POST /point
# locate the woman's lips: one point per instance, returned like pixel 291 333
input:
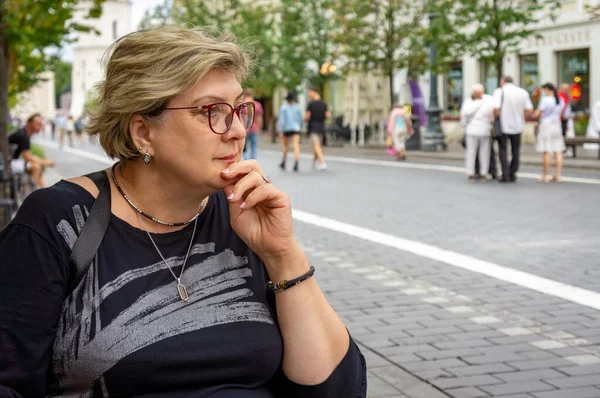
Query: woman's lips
pixel 228 159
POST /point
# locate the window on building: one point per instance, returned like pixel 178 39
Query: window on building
pixel 454 88
pixel 489 76
pixel 114 30
pixel 574 69
pixel 530 77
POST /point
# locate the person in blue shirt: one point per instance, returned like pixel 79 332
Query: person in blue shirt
pixel 290 123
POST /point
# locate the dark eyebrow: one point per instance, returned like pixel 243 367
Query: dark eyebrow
pixel 214 98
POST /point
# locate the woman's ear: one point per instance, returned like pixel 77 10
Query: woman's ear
pixel 139 128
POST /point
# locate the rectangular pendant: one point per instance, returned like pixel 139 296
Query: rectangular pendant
pixel 181 289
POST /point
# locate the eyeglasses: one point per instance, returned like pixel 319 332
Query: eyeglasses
pixel 220 115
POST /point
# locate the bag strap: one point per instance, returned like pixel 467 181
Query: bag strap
pixel 474 114
pixel 92 233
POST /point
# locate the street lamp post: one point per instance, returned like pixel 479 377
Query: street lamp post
pixel 433 136
pixel 328 69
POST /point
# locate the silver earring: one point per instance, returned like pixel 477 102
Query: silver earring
pixel 140 148
pixel 146 158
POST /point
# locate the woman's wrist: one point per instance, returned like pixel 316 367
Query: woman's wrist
pixel 287 266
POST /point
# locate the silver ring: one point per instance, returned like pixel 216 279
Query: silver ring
pixel 266 179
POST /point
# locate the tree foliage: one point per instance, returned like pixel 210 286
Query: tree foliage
pixel 251 23
pixel 501 26
pixel 384 35
pixel 31 28
pixel 310 35
pixel 28 28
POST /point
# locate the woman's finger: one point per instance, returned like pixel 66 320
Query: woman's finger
pixel 264 193
pixel 241 168
pixel 245 185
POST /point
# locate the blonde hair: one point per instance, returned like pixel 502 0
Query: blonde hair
pixel 146 69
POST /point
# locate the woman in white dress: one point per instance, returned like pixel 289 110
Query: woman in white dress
pixel 549 138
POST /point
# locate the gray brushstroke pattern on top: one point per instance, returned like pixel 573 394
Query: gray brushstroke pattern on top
pixel 82 356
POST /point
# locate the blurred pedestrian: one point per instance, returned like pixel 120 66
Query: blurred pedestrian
pixel 512 106
pixel 252 135
pixel 79 130
pixel 61 128
pixel 399 128
pixel 53 129
pixel 23 160
pixel 549 137
pixel 567 112
pixel 477 114
pixel 290 124
pixel 316 114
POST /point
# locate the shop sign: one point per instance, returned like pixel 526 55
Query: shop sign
pixel 572 37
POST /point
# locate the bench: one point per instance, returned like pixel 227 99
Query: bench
pixel 573 142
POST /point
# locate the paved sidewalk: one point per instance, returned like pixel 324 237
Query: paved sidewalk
pixel 431 331
pixel 586 159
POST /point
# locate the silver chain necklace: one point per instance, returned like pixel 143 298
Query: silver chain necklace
pixel 181 289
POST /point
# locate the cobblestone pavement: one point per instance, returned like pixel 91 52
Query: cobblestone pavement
pixel 429 329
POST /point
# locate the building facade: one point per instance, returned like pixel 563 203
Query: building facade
pixel 90 49
pixel 39 99
pixel 564 52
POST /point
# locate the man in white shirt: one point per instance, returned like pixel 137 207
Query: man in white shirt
pixel 512 105
pixel 477 114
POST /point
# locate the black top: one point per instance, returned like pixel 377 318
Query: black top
pixel 124 330
pixel 316 123
pixel 22 140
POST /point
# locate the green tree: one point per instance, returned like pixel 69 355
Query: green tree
pixel 309 38
pixel 384 35
pixel 252 23
pixel 27 29
pixel 501 26
pixel 62 77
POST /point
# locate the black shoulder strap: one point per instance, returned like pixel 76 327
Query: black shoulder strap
pixel 93 231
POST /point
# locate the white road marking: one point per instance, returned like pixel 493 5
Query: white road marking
pixel 537 283
pixel 548 344
pixel 425 166
pixel 583 360
pixel 516 331
pixel 561 290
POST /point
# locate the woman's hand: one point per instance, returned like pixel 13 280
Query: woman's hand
pixel 261 214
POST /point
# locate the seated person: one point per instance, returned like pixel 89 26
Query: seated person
pixel 29 162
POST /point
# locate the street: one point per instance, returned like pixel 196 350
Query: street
pixel 451 289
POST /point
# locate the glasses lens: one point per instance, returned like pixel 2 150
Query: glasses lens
pixel 247 114
pixel 220 118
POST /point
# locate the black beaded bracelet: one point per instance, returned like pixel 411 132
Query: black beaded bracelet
pixel 284 284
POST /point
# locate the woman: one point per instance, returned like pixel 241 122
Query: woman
pixel 399 127
pixel 290 123
pixel 175 302
pixel 549 137
pixel 477 114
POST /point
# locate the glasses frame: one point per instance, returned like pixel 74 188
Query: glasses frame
pixel 235 110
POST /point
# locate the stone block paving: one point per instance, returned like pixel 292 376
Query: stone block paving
pixel 430 330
